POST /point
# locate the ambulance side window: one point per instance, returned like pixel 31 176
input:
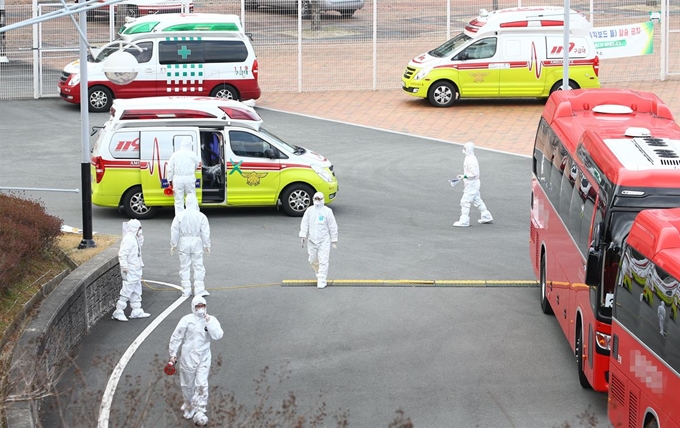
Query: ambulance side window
pixel 485 48
pixel 180 52
pixel 125 145
pixel 248 145
pixel 145 55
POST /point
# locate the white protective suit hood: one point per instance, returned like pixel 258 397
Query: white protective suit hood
pixel 191 202
pixel 320 203
pixel 469 149
pixel 186 144
pixel 195 301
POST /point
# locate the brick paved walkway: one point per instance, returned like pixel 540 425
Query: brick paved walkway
pixel 506 125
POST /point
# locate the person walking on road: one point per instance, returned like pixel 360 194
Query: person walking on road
pixel 319 231
pixel 182 167
pixel 194 333
pixel 131 264
pixel 190 232
pixel 470 177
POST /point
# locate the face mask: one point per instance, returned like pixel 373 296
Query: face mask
pixel 200 312
pixel 318 203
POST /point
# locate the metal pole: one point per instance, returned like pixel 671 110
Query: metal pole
pixel 85 174
pixel 565 47
pixel 3 54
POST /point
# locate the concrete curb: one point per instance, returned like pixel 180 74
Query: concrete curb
pixel 82 298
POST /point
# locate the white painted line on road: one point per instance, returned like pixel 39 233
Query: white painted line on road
pixel 107 399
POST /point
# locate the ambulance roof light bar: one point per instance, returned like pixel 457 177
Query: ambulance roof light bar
pixel 234 113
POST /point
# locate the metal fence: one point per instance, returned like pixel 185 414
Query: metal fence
pixel 367 51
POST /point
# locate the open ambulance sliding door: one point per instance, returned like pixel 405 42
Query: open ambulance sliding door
pixel 156 147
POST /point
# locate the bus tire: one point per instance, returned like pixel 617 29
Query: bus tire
pixel 99 99
pixel 296 198
pixel 443 94
pixel 558 86
pixel 582 379
pixel 545 303
pixel 225 91
pixel 133 204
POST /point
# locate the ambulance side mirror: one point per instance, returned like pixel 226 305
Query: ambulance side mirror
pixel 270 154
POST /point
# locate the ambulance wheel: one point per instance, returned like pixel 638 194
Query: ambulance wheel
pixel 347 13
pixel 100 99
pixel 443 94
pixel 133 204
pixel 225 91
pixel 558 86
pixel 651 423
pixel 296 199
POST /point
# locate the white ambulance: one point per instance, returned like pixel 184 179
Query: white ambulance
pixel 516 52
pixel 177 54
pixel 242 164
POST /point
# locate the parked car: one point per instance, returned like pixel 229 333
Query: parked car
pixel 137 8
pixel 345 7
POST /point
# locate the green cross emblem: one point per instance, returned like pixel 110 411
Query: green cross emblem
pixel 237 166
pixel 184 52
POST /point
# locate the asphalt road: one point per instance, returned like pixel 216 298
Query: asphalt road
pixel 458 356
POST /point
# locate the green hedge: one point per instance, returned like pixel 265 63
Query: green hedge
pixel 26 231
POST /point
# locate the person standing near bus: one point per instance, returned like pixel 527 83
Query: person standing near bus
pixel 182 172
pixel 470 177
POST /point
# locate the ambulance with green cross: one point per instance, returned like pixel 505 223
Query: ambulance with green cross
pixel 177 54
pixel 242 164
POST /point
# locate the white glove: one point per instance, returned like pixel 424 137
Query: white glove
pixel 173 360
pixel 206 249
pixel 172 250
pixel 207 318
pixel 303 241
pixel 334 245
pixel 460 176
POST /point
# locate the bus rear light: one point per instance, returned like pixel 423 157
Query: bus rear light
pixel 603 340
pixel 99 168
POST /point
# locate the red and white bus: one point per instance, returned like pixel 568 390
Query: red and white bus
pixel 600 157
pixel 644 365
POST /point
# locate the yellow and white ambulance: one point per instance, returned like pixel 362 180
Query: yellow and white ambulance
pixel 177 54
pixel 242 164
pixel 516 52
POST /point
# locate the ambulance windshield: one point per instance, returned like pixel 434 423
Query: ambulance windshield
pixel 286 147
pixel 449 47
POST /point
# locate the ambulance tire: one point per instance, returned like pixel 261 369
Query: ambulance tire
pixel 133 204
pixel 443 94
pixel 296 198
pixel 100 99
pixel 225 91
pixel 558 86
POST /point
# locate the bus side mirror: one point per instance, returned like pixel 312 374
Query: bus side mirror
pixel 593 266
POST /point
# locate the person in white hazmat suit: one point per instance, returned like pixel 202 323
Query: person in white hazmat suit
pixel 194 333
pixel 131 264
pixel 318 230
pixel 190 233
pixel 181 172
pixel 470 177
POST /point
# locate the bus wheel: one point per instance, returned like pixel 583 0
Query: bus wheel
pixel 545 303
pixel 443 94
pixel 558 86
pixel 133 204
pixel 100 99
pixel 582 379
pixel 225 91
pixel 296 199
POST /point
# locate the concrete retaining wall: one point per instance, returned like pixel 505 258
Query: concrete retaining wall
pixel 65 316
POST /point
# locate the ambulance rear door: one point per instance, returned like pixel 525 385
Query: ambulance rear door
pixel 156 147
pixel 523 72
pixel 478 69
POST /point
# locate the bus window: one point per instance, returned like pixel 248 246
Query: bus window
pixel 566 187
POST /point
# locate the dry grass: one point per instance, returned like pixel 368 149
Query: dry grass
pixel 38 272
